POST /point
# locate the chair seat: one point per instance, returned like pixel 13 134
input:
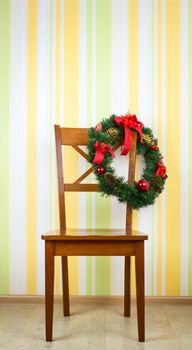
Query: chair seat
pixel 94 234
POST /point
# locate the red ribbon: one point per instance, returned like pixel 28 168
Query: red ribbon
pixel 101 149
pixel 161 170
pixel 129 121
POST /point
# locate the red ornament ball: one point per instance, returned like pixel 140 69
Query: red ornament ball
pixel 153 148
pixel 143 185
pixel 100 170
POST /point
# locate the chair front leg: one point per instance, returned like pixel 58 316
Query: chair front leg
pixel 65 285
pixel 49 288
pixel 139 269
pixel 127 287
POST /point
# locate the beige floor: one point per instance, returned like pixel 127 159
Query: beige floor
pixel 96 326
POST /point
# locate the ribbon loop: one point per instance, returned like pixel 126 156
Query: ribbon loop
pixel 129 121
pixel 101 149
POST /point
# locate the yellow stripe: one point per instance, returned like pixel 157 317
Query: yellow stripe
pixel 159 109
pixel 71 27
pixel 58 39
pixel 133 90
pixel 57 259
pixel 31 147
pixel 172 147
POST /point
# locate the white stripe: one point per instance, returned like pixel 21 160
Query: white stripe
pixel 184 148
pixel 54 187
pixel 155 71
pixel 145 62
pixel 82 123
pixel 155 124
pixel 119 57
pixel 163 257
pixel 53 179
pixel 61 82
pixel 43 135
pixel 155 250
pixel 18 124
pixel 145 114
pixel 82 102
pixel 82 63
pixel 119 105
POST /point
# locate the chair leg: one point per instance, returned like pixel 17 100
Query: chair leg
pixel 65 285
pixel 127 287
pixel 139 269
pixel 49 288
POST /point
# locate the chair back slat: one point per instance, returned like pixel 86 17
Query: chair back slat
pixel 74 136
pixel 78 137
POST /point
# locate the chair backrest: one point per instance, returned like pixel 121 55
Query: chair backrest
pixel 76 137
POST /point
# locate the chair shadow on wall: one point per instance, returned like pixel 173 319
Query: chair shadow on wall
pixel 91 242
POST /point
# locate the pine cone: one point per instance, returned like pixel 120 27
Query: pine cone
pixel 113 133
pixel 110 179
pixel 147 139
pixel 158 183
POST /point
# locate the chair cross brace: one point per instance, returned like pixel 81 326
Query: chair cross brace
pixel 84 155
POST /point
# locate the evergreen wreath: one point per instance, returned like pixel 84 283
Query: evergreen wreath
pixel 108 133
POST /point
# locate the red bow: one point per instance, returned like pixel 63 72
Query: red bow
pixel 161 170
pixel 101 149
pixel 128 121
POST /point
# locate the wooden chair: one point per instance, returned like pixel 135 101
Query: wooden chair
pixel 71 242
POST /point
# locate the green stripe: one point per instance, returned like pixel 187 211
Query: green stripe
pixel 4 146
pixel 102 110
pixel 88 117
pixel 190 149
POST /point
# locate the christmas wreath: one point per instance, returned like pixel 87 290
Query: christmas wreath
pixel 104 137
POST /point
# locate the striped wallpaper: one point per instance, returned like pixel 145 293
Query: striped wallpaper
pixel 73 62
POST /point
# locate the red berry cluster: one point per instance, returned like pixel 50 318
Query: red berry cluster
pixel 100 170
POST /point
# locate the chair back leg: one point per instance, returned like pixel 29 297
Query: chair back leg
pixel 139 269
pixel 49 288
pixel 65 286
